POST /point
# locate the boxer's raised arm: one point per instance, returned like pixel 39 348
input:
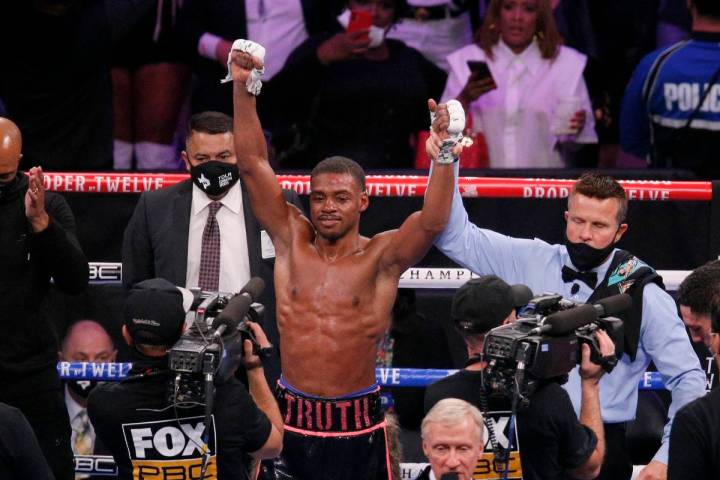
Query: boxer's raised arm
pixel 258 177
pixel 415 236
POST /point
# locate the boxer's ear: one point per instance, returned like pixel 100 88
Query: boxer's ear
pixel 364 200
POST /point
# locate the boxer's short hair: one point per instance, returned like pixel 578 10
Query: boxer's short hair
pixel 338 164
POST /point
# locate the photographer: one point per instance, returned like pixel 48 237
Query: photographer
pixel 588 267
pixel 553 443
pixel 151 435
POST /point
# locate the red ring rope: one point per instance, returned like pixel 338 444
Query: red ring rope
pixel 391 186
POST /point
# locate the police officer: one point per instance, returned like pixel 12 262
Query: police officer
pixel 671 108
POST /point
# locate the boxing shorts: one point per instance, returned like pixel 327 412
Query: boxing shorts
pixel 343 438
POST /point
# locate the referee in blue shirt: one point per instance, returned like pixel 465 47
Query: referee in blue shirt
pixel 587 268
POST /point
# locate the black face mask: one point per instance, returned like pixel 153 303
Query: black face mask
pixel 214 177
pixel 82 388
pixel 585 257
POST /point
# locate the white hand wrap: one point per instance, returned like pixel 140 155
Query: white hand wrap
pixel 455 130
pixel 253 83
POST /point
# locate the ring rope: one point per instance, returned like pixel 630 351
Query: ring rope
pixel 386 377
pixel 390 185
pixel 417 277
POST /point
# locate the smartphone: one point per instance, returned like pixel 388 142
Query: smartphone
pixel 479 70
pixel 360 20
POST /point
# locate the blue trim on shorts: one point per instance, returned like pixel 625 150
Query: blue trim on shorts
pixel 359 393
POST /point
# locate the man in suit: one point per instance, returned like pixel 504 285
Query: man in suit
pixel 202 232
pixel 85 341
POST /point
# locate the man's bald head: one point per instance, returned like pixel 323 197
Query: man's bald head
pixel 10 149
pixel 87 341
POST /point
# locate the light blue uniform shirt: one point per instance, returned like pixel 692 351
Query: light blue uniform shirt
pixel 538 265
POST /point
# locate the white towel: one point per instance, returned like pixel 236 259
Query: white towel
pixel 253 83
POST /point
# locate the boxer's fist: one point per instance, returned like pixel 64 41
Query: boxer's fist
pixel 242 65
pixel 439 118
pixel 448 123
pixel 456 113
pixel 448 119
pixel 245 64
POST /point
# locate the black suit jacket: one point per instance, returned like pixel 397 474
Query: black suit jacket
pixel 156 239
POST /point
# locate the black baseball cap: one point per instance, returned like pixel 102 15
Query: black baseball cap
pixel 482 304
pixel 154 313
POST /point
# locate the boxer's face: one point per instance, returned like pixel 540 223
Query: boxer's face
pixel 593 221
pixel 336 202
pixel 453 448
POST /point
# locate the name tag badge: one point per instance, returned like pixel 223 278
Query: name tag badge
pixel 266 246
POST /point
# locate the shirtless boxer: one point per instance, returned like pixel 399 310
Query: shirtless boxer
pixel 335 290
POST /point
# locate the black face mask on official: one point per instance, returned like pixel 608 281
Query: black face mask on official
pixel 82 388
pixel 214 177
pixel 585 257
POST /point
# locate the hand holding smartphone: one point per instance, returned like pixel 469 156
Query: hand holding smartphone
pixel 479 70
pixel 360 20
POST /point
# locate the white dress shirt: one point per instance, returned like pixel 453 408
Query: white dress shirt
pixel 435 39
pixel 516 117
pixel 279 26
pixel 234 258
pixel 74 409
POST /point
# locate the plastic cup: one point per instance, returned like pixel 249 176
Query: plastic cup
pixel 562 114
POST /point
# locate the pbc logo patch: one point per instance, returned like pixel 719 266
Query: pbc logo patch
pixel 170 449
pixel 485 468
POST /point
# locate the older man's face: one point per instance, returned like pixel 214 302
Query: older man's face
pixel 88 342
pixel 453 448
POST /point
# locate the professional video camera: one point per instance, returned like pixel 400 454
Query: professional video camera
pixel 210 350
pixel 544 343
